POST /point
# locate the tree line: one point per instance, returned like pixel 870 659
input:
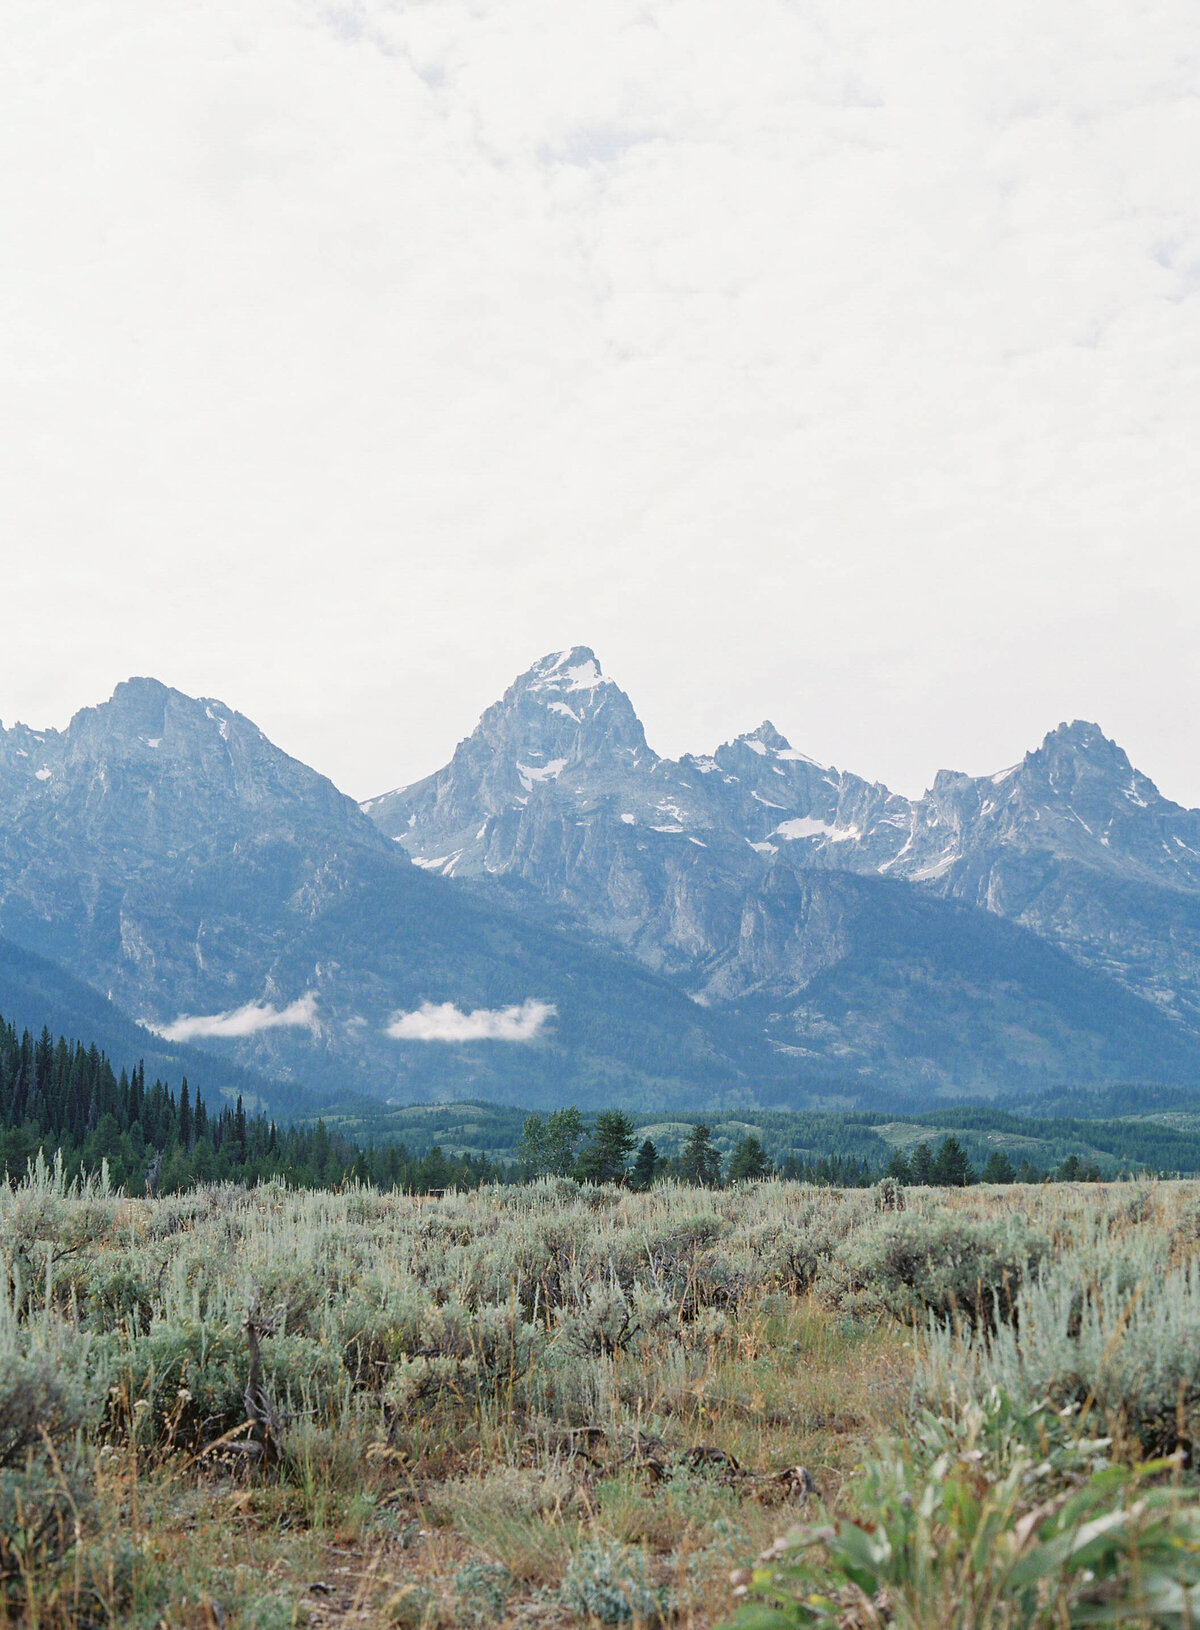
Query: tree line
pixel 60 1095
pixel 555 1145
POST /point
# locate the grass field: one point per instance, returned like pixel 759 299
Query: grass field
pixel 553 1405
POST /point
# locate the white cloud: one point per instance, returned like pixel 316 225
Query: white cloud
pixel 845 355
pixel 434 1021
pixel 242 1021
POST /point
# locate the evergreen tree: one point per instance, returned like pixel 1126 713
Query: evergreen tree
pixel 952 1169
pixel 185 1117
pixel 645 1167
pixel 700 1161
pixel 748 1162
pixel 998 1168
pixel 922 1165
pixel 605 1157
pixel 899 1168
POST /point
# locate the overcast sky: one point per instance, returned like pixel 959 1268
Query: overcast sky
pixel 837 363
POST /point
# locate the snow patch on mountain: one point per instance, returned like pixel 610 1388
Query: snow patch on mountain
pixel 807 826
pixel 529 773
pixel 561 673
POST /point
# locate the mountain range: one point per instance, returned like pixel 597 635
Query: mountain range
pixel 561 914
pixel 1041 921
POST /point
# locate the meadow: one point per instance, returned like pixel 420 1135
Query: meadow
pixel 557 1404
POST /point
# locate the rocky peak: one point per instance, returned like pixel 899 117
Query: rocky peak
pixel 1078 766
pixel 563 711
pixel 766 743
pixel 160 772
pixel 145 718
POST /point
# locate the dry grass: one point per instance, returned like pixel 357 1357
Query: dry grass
pixel 472 1392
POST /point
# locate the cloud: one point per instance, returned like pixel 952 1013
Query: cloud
pixel 434 1021
pixel 842 354
pixel 242 1021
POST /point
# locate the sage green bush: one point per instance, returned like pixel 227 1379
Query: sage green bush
pixel 1121 1343
pixel 910 1265
pixel 609 1585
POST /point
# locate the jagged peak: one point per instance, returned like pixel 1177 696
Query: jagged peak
pixel 138 686
pixel 565 707
pixel 1081 740
pixel 768 736
pixel 1081 734
pixel 576 669
pixel 767 742
pixel 142 706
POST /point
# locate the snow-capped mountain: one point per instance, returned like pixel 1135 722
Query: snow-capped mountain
pixel 563 914
pixel 742 873
pixel 164 851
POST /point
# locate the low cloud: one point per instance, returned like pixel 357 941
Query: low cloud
pixel 242 1021
pixel 434 1021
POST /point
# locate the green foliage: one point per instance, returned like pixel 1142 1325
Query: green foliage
pixel 952 1266
pixel 748 1161
pixel 998 1169
pixel 700 1161
pixel 984 1520
pixel 547 1146
pixel 645 1167
pixel 609 1585
pixel 605 1157
pixel 1110 1328
pixel 64 1098
pixel 951 1168
pixel 481 1589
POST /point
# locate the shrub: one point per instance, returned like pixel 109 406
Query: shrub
pixel 609 1584
pixel 888 1194
pixel 1128 1350
pixel 949 1265
pixel 967 1523
pixel 482 1590
pixel 44 1404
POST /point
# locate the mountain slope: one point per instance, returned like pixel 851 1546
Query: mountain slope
pixel 163 851
pixel 740 876
pixel 35 991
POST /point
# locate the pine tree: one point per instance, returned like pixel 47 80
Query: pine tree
pixel 922 1165
pixel 603 1161
pixel 748 1162
pixel 641 1177
pixel 952 1169
pixel 700 1161
pixel 899 1168
pixel 998 1168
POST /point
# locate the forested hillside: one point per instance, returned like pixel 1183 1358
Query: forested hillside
pixel 61 1095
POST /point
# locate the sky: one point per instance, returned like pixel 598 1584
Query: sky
pixel 837 363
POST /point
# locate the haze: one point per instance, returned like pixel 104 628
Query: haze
pixel 837 363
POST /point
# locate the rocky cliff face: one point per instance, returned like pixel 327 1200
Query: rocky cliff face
pixel 1076 844
pixel 563 914
pixel 163 850
pixel 732 872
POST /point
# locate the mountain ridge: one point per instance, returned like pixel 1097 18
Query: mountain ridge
pixel 1072 843
pixel 561 913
